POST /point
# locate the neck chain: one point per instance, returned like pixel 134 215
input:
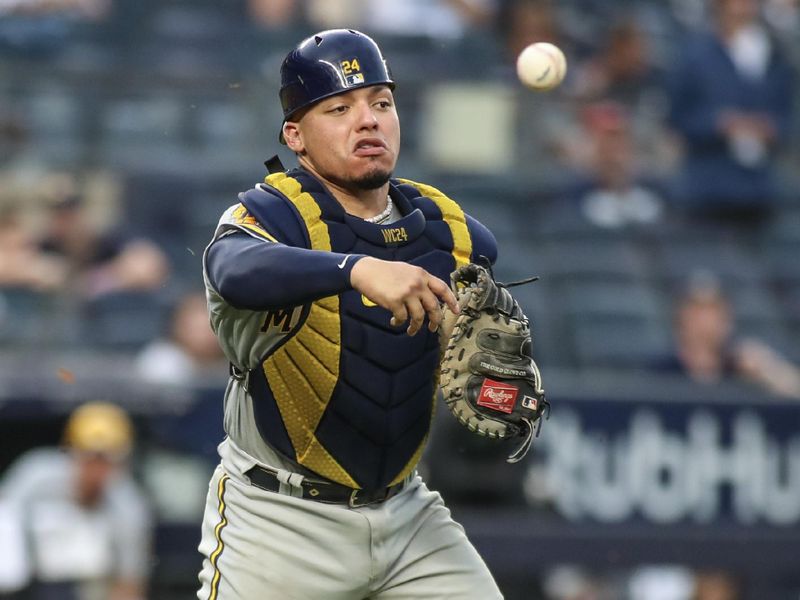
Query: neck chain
pixel 384 215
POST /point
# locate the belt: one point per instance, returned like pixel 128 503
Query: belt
pixel 324 491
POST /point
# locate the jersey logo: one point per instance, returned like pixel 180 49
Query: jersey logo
pixel 279 319
pixel 395 235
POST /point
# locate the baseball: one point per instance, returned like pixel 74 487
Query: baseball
pixel 541 66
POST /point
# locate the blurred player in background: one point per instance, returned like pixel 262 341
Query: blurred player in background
pixel 85 523
pixel 324 288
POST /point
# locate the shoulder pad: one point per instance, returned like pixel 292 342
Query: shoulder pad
pixel 275 213
pixel 417 197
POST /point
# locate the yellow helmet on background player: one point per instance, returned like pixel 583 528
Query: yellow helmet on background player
pixel 100 428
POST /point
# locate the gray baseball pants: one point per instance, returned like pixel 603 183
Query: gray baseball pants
pixel 259 545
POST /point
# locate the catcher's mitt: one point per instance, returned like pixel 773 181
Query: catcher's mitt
pixel 488 377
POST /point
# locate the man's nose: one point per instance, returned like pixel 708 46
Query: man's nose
pixel 366 116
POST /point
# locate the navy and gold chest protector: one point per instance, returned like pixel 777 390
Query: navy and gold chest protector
pixel 348 396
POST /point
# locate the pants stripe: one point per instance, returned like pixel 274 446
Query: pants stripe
pixel 218 534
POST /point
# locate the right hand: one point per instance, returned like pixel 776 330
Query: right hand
pixel 409 292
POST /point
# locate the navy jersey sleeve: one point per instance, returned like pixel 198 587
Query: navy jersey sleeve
pixel 483 240
pixel 259 275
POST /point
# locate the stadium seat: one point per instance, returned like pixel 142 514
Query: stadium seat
pixel 124 321
pixel 27 318
pixel 145 132
pixel 621 324
pixel 500 217
pixel 729 260
pixel 545 321
pixel 753 301
pixel 619 341
pixel 615 298
pixel 781 258
pixel 595 258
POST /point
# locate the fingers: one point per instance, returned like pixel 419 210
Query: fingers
pixel 399 316
pixel 434 311
pixel 427 305
pixel 419 298
pixel 444 293
pixel 417 314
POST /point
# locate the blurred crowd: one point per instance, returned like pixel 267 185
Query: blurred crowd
pixel 674 117
pixel 674 136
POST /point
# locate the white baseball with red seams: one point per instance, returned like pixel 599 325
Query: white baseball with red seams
pixel 541 66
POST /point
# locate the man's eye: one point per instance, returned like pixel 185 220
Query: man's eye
pixel 338 109
pixel 384 104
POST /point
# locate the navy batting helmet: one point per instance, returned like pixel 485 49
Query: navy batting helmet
pixel 328 63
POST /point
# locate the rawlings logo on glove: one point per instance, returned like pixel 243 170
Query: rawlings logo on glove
pixel 488 377
pixel 497 396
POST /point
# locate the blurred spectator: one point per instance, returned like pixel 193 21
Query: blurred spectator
pixel 14 134
pixel 609 189
pixel 660 582
pixel 333 14
pixel 617 194
pixel 689 13
pixel 715 585
pixel 708 351
pixel 35 28
pixel 450 19
pixel 22 264
pixel 99 262
pixel 86 524
pixel 671 582
pixel 272 14
pixel 572 582
pixel 620 71
pixel 731 100
pixel 189 353
pixel 546 124
pixel 523 22
pixel 85 9
pixel 624 70
pixel 784 17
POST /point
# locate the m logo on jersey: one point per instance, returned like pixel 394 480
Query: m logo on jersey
pixel 278 319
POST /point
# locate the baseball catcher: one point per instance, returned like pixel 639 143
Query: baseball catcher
pixel 488 377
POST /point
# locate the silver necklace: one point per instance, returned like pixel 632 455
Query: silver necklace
pixel 384 215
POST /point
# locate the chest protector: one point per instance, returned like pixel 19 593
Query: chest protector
pixel 346 395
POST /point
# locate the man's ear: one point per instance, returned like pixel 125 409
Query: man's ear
pixel 291 134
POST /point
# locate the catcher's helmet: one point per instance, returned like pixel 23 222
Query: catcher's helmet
pixel 328 63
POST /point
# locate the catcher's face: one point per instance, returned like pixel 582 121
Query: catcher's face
pixel 350 139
